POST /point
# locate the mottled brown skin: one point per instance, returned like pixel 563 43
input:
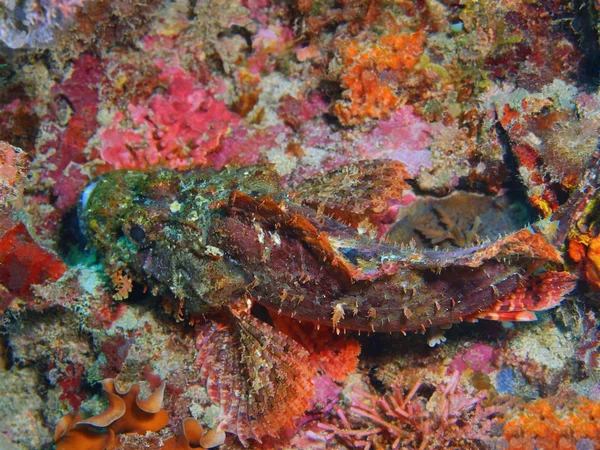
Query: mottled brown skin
pixel 210 239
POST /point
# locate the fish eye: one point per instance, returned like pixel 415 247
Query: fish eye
pixel 138 234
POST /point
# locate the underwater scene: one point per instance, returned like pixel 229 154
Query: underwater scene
pixel 299 224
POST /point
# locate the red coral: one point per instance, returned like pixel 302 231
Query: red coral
pixel 177 129
pixel 70 383
pixel 115 350
pixel 66 152
pixel 540 43
pixel 23 264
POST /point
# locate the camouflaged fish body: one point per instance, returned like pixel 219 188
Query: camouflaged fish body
pixel 210 239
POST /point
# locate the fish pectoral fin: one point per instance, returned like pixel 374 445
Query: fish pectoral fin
pixel 261 378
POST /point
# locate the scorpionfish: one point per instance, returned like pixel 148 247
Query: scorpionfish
pixel 215 242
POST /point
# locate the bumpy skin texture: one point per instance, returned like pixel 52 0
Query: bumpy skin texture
pixel 157 226
pixel 211 238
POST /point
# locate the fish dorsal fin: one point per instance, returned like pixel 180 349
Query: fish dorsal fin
pixel 375 186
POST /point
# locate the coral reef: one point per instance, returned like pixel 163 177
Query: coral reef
pixel 401 419
pixel 305 177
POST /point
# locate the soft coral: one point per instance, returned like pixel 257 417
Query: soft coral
pixel 177 129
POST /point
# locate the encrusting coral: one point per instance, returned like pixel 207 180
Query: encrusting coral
pixel 373 74
pixel 552 423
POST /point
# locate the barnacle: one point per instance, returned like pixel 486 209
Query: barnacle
pixel 126 413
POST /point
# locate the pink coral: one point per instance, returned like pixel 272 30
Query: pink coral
pixel 404 137
pixel 478 357
pixel 176 129
pixel 409 419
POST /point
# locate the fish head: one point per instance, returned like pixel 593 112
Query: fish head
pixel 154 225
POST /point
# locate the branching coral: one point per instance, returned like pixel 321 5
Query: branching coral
pixel 399 419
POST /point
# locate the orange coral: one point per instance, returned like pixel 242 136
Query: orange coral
pixel 126 413
pixel 193 434
pixel 585 249
pixel 336 355
pixel 592 263
pixel 577 247
pixel 373 75
pixel 545 425
pixel 123 285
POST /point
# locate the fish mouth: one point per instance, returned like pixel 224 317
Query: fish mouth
pixel 86 194
pixel 84 198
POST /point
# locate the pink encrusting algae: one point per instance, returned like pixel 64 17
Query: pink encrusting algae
pixel 176 129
